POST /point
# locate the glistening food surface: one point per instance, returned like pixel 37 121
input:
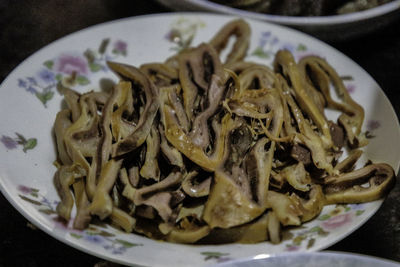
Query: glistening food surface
pixel 194 150
pixel 29 189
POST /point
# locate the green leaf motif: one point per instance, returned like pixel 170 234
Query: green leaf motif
pixel 76 235
pixel 58 77
pixel 359 212
pixel 318 230
pixel 369 135
pixel 213 255
pixel 322 232
pixel 90 55
pixel 104 45
pixel 301 47
pixel 21 139
pixel 175 49
pixel 310 243
pixel 347 78
pixel 82 80
pixel 49 64
pixel 298 239
pixel 186 42
pixel 34 194
pixel 259 52
pixel 98 224
pixel 30 144
pixel 118 52
pixel 324 217
pixel 41 98
pixel 44 97
pixel 48 95
pixel 34 202
pixel 92 228
pixel 127 244
pixel 106 234
pixel 91 233
pixel 47 211
pixel 315 229
pixel 94 67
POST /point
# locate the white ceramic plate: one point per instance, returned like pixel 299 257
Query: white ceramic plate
pixel 29 102
pixel 302 259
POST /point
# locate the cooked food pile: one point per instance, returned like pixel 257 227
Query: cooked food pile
pixel 303 7
pixel 195 150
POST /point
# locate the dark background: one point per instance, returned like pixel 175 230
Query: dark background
pixel 28 25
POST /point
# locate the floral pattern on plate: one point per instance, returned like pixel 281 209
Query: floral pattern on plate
pixel 372 127
pixel 72 68
pixel 182 32
pixel 218 256
pixel 13 142
pixel 269 44
pixel 95 234
pixel 340 216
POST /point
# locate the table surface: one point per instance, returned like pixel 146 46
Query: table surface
pixel 28 25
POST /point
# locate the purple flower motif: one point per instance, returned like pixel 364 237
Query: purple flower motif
pixel 94 239
pixel 274 41
pixel 60 223
pixel 360 206
pixel 46 202
pixel 337 221
pixel 289 46
pixel 24 189
pixel 47 76
pixel 21 83
pixel 9 142
pixel 107 247
pixel 32 80
pixel 120 47
pixel 69 64
pixel 351 88
pixel 264 38
pixel 173 36
pixel 31 90
pixel 373 125
pixel 292 248
pixel 266 35
pixel 118 251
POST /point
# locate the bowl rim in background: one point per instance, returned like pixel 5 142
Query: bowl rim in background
pixel 345 255
pixel 297 20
